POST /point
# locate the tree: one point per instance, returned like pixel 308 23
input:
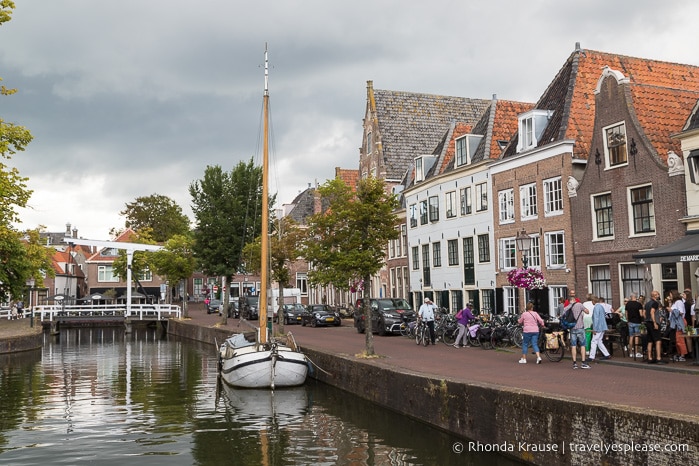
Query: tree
pixel 347 242
pixel 284 245
pixel 159 213
pixel 22 257
pixel 141 262
pixel 176 261
pixel 227 210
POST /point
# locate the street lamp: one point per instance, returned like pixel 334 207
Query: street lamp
pixel 524 243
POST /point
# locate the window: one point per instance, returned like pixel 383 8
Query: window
pixel 419 174
pixel 404 241
pixel 481 197
pixel 466 201
pixel 555 250
pixel 483 248
pixel 437 254
pixel 416 258
pixel 453 252
pixel 553 196
pixel 426 265
pixel 527 201
pixel 556 292
pixel 509 299
pixel 506 202
pixel 603 221
pixel 508 253
pixel 434 208
pixel 488 302
pixel 616 145
pixel 466 147
pixel 531 125
pixel 198 285
pixel 413 216
pixel 450 201
pixel 632 279
pixel 693 165
pixel 423 212
pixel 469 262
pixel 601 282
pixel 534 254
pixel 643 220
pixel 369 144
pixel 105 273
pixel 302 283
pixel 146 275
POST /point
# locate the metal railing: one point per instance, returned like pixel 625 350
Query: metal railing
pixel 49 313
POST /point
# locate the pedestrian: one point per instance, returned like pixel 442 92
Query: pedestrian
pixel 561 306
pixel 463 318
pixel 652 313
pixel 426 315
pixel 577 333
pixel 531 325
pixel 635 315
pixel 599 326
pixel 20 309
pixel 13 312
pixel 677 325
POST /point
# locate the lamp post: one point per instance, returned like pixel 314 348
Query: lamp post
pixel 524 242
pixel 30 283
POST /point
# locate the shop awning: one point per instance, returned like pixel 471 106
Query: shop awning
pixel 683 250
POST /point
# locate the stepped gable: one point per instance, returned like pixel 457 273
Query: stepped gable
pixel 412 124
pixel 660 92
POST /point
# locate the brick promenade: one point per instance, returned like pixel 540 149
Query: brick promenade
pixel 617 382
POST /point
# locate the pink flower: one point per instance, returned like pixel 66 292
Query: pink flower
pixel 530 279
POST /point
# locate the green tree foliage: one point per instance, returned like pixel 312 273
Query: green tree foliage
pixel 159 213
pixel 227 210
pixel 142 260
pixel 176 261
pixel 22 256
pixel 347 243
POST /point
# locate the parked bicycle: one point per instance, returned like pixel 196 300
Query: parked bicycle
pixel 422 334
pixel 552 341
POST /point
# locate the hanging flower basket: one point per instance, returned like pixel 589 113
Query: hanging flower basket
pixel 529 279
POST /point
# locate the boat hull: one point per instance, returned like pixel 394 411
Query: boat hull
pixel 263 367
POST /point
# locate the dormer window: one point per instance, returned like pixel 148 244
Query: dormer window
pixel 419 171
pixel 615 145
pixel 531 127
pixel 693 165
pixel 466 147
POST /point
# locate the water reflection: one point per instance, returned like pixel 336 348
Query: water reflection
pixel 100 395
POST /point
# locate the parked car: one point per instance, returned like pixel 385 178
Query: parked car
pixel 292 313
pixel 233 309
pixel 320 314
pixel 249 307
pixel 214 306
pixel 388 315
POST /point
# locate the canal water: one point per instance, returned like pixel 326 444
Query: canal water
pixel 101 396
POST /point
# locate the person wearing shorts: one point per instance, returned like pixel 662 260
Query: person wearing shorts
pixel 653 329
pixel 577 333
pixel 634 315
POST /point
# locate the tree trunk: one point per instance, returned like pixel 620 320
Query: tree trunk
pixel 280 313
pixel 367 318
pixel 185 310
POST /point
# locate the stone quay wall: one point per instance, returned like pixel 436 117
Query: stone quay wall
pixel 535 427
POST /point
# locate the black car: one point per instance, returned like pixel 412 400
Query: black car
pixel 320 314
pixel 214 306
pixel 292 313
pixel 249 307
pixel 388 315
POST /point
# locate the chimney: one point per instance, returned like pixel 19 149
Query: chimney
pixel 75 233
pixel 68 229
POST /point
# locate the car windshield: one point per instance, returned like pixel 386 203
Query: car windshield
pixel 401 304
pixel 387 304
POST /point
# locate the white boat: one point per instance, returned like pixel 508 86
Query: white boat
pixel 260 409
pixel 263 361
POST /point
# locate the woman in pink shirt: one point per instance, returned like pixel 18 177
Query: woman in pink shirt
pixel 531 322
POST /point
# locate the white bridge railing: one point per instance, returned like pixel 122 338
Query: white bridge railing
pixel 49 313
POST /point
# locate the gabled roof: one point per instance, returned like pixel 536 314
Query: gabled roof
pixel 411 124
pixel 661 93
pixel 303 206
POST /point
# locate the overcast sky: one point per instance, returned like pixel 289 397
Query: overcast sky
pixel 131 98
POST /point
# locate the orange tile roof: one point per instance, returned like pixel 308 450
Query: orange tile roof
pixel 348 176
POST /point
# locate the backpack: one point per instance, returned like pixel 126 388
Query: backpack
pixel 459 314
pixel 661 319
pixel 568 319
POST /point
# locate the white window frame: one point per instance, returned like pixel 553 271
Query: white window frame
pixel 507 253
pixel 506 206
pixel 607 132
pixel 534 253
pixel 528 201
pixel 632 215
pixel 419 169
pixel 552 249
pixel 553 196
pixel 105 274
pixel 509 299
pixel 482 197
pixel 466 200
pixel 555 292
pixel 595 221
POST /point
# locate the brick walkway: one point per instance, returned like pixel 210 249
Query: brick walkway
pixel 617 382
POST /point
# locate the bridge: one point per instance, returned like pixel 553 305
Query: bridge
pixel 54 314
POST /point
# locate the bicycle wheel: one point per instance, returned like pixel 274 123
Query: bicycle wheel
pixel 418 335
pixel 449 337
pixel 517 337
pixel 425 336
pixel 554 354
pixel 473 341
pixel 498 338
